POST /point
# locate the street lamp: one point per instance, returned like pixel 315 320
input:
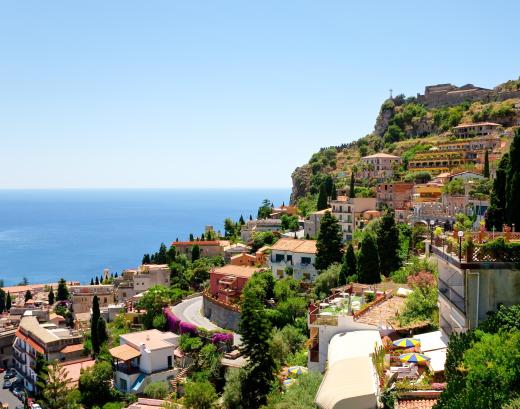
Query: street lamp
pixel 432 223
pixel 460 233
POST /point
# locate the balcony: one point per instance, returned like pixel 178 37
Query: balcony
pixel 448 291
pixel 126 369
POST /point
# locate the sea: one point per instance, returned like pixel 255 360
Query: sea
pixel 75 234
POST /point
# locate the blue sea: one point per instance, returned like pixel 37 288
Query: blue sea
pixel 75 234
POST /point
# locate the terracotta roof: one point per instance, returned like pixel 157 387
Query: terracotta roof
pixel 72 348
pixel 238 271
pixel 415 403
pixel 35 346
pixel 381 155
pixel 73 370
pixel 295 245
pixel 250 256
pixel 124 352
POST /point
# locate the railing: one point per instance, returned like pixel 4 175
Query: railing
pixel 445 326
pixel 449 292
pixel 126 369
pixel 233 307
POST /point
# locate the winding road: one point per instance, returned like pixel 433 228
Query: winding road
pixel 190 310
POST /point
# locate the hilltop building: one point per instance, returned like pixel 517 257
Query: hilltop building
pixel 352 213
pixel 260 225
pixel 378 166
pixel 208 248
pixel 83 295
pixel 294 257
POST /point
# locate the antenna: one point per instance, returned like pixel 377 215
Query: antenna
pixel 391 93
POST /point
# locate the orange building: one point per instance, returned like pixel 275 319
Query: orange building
pixel 226 283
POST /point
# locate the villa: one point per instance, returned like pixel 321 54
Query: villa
pixel 143 357
pixel 294 257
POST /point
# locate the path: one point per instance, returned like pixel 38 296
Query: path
pixel 191 311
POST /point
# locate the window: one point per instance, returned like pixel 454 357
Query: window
pixel 279 258
pixel 306 260
pixel 289 258
pixel 122 384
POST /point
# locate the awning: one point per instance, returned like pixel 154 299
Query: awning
pixel 124 352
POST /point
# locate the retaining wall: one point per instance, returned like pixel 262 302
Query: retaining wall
pixel 220 314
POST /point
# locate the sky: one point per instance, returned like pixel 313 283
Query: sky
pixel 165 94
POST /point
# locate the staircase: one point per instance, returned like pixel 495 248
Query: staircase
pixel 175 382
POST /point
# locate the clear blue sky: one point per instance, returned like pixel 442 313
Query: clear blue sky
pixel 221 93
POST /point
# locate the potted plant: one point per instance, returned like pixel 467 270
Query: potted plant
pixel 469 247
pixel 437 234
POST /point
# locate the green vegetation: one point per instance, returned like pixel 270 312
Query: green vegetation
pixel 299 395
pixel 290 222
pixel 368 265
pixel 199 395
pixel 387 240
pixel 265 209
pixel 157 390
pixel 409 154
pixel 265 238
pixel 63 291
pixel 418 177
pixel 349 267
pixel 454 187
pixel 95 385
pixel 154 300
pixel 328 279
pixel 447 117
pixel 307 205
pixel 329 243
pixel 421 304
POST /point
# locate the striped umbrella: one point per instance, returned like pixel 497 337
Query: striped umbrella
pixel 414 357
pixel 406 343
pixel 297 370
pixel 289 382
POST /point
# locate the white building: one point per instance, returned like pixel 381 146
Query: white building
pixel 312 223
pixel 294 255
pixel 144 357
pixel 149 275
pixel 349 212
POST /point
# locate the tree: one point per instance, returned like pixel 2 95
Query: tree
pixel 265 209
pixel 513 182
pixel 95 384
pixel 195 252
pixel 102 334
pixel 40 369
pixel 232 396
pixel 8 301
pixel 329 185
pixel 94 325
pixel 322 197
pixel 352 190
pixel 96 282
pixel 241 220
pixel 199 395
pixel 92 281
pixel 388 243
pixel 24 281
pixel 2 301
pixel 326 280
pixel 50 297
pixel 368 261
pixel 63 291
pixel 146 260
pixel 349 266
pixel 290 222
pixel 255 329
pixel 154 300
pixel 157 390
pixel 486 164
pixel 54 390
pixel 28 295
pixel 328 245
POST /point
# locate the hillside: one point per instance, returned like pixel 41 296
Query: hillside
pixel 408 125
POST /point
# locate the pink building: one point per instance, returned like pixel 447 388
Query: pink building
pixel 226 283
pixel 379 166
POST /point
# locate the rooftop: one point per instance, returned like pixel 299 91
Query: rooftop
pixel 476 124
pixel 152 339
pixel 73 370
pixel 202 243
pixel 295 245
pixel 237 271
pixel 381 155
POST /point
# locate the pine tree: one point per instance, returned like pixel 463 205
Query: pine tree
pixel 28 295
pixel 102 331
pixel 255 329
pixel 195 252
pixel 352 191
pixel 328 245
pixel 368 261
pixel 97 281
pixel 513 182
pixel 388 243
pixel 202 238
pixel 322 198
pixel 146 259
pixel 486 164
pixel 8 301
pixel 91 281
pixel 241 220
pixel 40 369
pixel 55 389
pixel 94 319
pixel 50 297
pixel 63 291
pixel 349 266
pixel 496 210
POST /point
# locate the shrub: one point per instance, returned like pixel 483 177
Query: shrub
pixel 187 328
pixel 157 390
pixel 199 395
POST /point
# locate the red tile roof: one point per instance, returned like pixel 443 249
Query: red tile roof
pixel 416 403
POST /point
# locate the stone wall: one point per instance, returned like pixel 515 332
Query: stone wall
pixel 220 315
pixel 448 98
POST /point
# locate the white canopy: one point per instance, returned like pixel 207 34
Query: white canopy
pixel 352 345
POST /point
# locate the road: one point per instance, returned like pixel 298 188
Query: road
pixel 191 311
pixel 7 397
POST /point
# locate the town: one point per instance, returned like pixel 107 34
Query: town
pixel 394 266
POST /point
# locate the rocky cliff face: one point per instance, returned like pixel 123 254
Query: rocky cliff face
pixel 382 121
pixel 301 181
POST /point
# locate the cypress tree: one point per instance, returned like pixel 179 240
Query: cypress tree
pixel 195 252
pixel 497 207
pixel 388 243
pixel 334 194
pixel 241 220
pixel 40 369
pixel 102 334
pixel 8 301
pixel 63 291
pixel 329 184
pixel 146 259
pixel 50 297
pixel 328 245
pixel 202 237
pixel 191 237
pixel 2 301
pixel 94 319
pixel 28 295
pixel 322 197
pixel 352 190
pixel 486 164
pixel 513 182
pixel 91 281
pixel 250 217
pixel 116 275
pixel 368 261
pixel 350 263
pixel 97 281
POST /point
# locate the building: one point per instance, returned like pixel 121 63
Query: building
pixel 350 213
pixel 150 275
pixel 294 257
pixel 378 166
pixel 208 248
pixel 51 342
pixel 144 357
pixel 472 286
pixel 427 192
pixel 83 296
pixel 261 225
pixel 278 212
pixel 243 259
pixel 312 223
pixel 351 380
pixel 226 283
pixel 234 249
pixel 476 129
pixel 396 195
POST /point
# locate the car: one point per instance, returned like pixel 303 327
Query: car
pixel 2 370
pixel 17 391
pixel 36 406
pixel 7 384
pixel 10 373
